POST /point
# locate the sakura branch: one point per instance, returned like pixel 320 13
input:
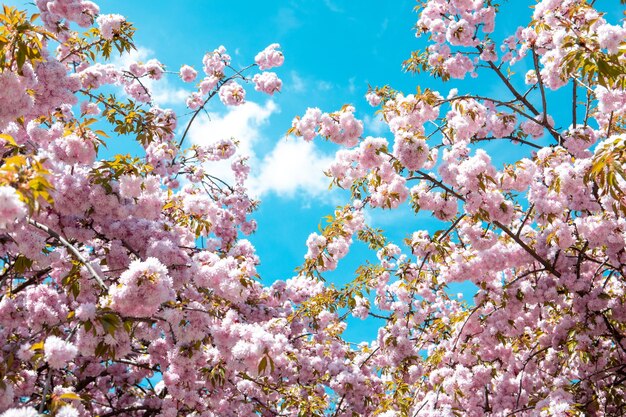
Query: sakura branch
pixel 72 249
pixel 538 231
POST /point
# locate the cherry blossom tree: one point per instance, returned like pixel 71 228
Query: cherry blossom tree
pixel 128 288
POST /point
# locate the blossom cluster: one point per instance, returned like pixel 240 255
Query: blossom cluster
pixel 340 127
pixel 120 272
pixel 231 93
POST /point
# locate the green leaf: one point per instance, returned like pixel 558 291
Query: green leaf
pixel 262 365
pixel 70 396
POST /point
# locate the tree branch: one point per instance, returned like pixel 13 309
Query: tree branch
pixel 501 226
pixel 544 104
pixel 72 249
pixel 574 104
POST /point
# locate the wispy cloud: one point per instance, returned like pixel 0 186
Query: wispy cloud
pixel 302 83
pixel 241 122
pixel 163 93
pixel 383 27
pixel 324 86
pixel 375 125
pixel 286 21
pixel 297 84
pixel 332 6
pixel 352 85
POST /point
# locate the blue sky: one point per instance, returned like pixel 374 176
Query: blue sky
pixel 333 49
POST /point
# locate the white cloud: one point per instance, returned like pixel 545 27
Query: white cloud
pixel 352 85
pixel 140 54
pixel 300 84
pixel 293 166
pixel 324 85
pixel 164 94
pixel 375 125
pixel 243 123
pixel 383 27
pixel 297 84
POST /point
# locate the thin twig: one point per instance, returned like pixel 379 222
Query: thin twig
pixel 574 104
pixel 511 138
pixel 526 217
pixel 72 249
pixel 435 181
pixel 46 388
pixel 211 95
pixel 511 105
pixel 544 103
pixel 29 281
pixel 501 226
pixel 528 249
pixel 343 397
pixel 512 89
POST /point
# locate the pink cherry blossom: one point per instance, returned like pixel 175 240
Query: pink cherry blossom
pixel 58 353
pixel 267 82
pixel 232 94
pixel 143 288
pixel 373 99
pixel 121 270
pixel 11 207
pixel 269 57
pixel 110 24
pixel 187 73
